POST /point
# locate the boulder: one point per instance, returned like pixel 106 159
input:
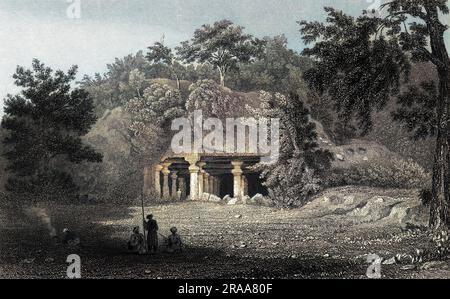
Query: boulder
pixel 214 198
pixel 340 157
pixel 349 199
pixel 379 200
pixel 362 151
pixel 391 261
pixel 267 202
pixel 246 200
pixel 233 201
pixel 257 198
pixel 433 265
pixel 227 198
pixel 261 200
pixel 252 201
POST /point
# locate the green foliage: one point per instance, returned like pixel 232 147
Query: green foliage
pixel 118 179
pixel 131 138
pixel 291 184
pixel 357 69
pixel 212 99
pixel 222 45
pixel 360 63
pixel 277 69
pixel 160 53
pixel 298 172
pixel 44 124
pixel 158 105
pixel 386 172
pixel 151 115
pixel 417 110
pixel 441 242
pixel 106 90
pixel 322 110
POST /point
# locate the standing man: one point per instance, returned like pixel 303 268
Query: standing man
pixel 152 234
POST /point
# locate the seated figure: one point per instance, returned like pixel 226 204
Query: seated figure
pixel 136 243
pixel 70 238
pixel 174 241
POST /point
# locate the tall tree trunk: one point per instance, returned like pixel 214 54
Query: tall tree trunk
pixel 176 78
pixel 439 211
pixel 441 177
pixel 222 77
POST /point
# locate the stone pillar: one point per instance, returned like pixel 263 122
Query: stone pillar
pixel 182 187
pixel 237 178
pixel 157 179
pixel 193 172
pixel 211 184
pixel 166 172
pixel 206 185
pixel 201 174
pixel 174 178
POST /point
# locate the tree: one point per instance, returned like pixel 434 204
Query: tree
pixel 277 69
pixel 360 63
pixel 298 172
pixel 151 115
pixel 106 90
pixel 212 99
pixel 223 45
pixel 158 53
pixel 44 124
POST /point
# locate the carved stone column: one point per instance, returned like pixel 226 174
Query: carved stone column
pixel 166 173
pixel 237 178
pixel 211 184
pixel 157 179
pixel 193 171
pixel 201 174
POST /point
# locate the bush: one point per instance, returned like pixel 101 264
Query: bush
pixel 291 185
pixel 389 173
pixel 441 243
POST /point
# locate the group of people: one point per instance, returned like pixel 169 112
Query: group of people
pixel 137 243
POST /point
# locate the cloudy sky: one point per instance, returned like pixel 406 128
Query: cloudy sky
pixel 114 28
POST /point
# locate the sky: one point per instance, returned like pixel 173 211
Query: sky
pixel 60 36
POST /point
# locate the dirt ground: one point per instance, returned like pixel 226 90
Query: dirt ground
pixel 328 238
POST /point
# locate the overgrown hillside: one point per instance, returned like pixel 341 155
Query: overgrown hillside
pixel 119 177
pixel 398 139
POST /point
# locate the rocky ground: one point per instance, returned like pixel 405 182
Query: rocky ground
pixel 329 238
